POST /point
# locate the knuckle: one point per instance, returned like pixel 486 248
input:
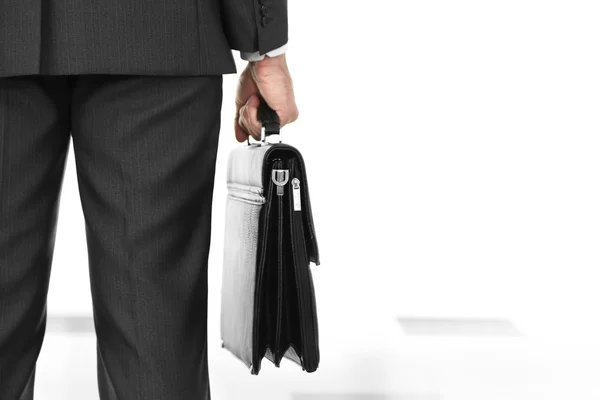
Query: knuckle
pixel 295 114
pixel 290 115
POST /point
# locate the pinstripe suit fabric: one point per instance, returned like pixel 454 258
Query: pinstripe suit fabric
pixel 145 150
pixel 136 37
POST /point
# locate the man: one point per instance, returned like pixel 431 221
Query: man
pixel 137 84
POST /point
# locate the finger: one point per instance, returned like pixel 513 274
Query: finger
pixel 249 117
pixel 281 99
pixel 289 114
pixel 246 88
pixel 240 134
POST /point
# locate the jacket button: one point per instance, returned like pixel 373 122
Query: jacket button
pixel 264 10
pixel 263 21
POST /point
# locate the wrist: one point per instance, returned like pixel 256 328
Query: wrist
pixel 270 60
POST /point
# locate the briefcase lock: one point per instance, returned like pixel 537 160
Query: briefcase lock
pixel 280 177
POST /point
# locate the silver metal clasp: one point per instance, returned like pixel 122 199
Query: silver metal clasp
pixel 263 138
pixel 280 177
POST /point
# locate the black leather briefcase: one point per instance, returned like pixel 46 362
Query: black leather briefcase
pixel 268 305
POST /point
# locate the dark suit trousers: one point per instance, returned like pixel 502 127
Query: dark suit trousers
pixel 145 149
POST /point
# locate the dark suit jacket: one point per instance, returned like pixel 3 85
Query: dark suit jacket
pixel 145 37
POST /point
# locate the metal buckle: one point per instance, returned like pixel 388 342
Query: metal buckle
pixel 280 176
pixel 263 138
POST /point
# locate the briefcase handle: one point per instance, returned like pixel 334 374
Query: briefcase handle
pixel 271 125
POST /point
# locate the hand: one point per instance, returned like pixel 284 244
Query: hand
pixel 269 78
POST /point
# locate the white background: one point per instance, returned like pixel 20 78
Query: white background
pixel 452 150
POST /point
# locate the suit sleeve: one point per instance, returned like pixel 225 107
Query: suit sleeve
pixel 256 56
pixel 255 25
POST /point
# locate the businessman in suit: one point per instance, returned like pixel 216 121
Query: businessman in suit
pixel 137 84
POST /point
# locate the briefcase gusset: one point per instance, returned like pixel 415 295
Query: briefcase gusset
pixel 268 306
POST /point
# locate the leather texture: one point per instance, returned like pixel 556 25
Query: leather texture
pixel 244 202
pixel 238 293
pixel 268 306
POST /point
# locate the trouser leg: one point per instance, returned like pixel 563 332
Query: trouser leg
pixel 34 143
pixel 145 150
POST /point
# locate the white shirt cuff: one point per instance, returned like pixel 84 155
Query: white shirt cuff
pixel 257 57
